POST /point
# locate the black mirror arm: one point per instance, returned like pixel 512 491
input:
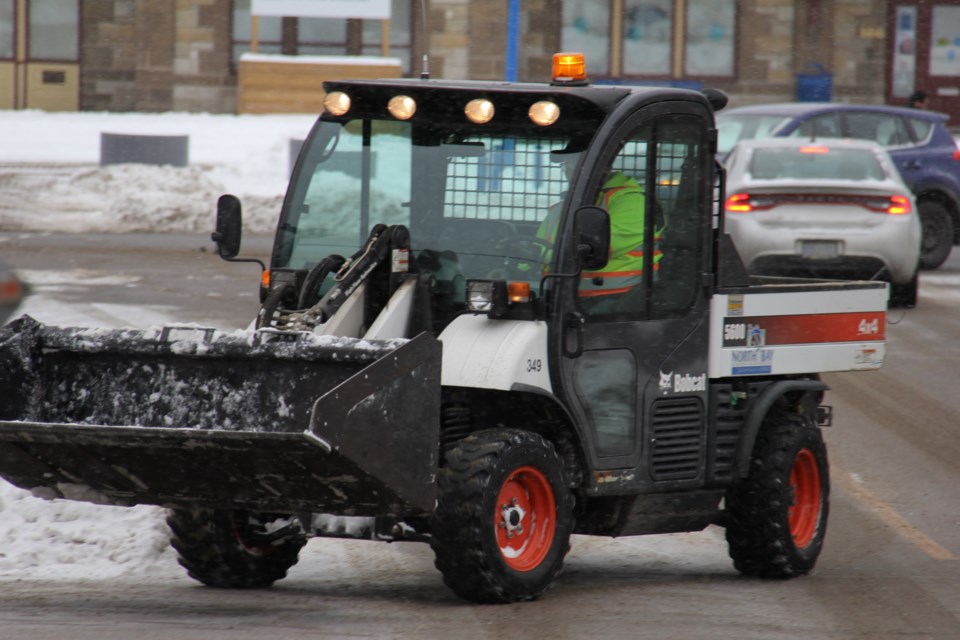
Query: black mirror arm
pixel 216 236
pixel 584 251
pixel 558 276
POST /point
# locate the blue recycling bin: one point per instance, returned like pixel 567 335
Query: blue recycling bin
pixel 816 86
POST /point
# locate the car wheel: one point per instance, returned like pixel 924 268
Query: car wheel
pixel 937 234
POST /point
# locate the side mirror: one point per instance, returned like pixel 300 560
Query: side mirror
pixel 591 228
pixel 229 224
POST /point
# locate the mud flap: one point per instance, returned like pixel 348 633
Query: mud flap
pixel 267 420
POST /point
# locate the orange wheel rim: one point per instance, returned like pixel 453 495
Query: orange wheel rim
pixel 243 539
pixel 804 513
pixel 525 518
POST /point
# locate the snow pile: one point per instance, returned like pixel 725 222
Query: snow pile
pixel 72 540
pixel 51 180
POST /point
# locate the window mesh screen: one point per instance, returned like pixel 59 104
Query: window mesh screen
pixel 514 180
pixel 632 161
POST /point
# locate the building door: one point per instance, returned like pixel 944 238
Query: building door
pixel 924 42
pixel 40 54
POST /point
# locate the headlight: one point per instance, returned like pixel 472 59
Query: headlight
pixel 480 296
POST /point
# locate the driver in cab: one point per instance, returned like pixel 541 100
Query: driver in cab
pixel 625 201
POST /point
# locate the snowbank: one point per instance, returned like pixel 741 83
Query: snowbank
pixel 50 177
pixel 63 540
pixel 50 180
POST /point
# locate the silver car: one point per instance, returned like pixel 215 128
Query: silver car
pixel 824 208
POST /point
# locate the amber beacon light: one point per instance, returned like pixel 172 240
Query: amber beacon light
pixel 569 68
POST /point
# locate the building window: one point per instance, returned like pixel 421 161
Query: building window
pixel 53 30
pixel 647 37
pixel 269 31
pixel 679 39
pixel 708 50
pixel 401 39
pixel 7 17
pixel 586 28
pixel 324 36
pixel 945 45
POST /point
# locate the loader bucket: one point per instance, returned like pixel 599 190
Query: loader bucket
pixel 284 422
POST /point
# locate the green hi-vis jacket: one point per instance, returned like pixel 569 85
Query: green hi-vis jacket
pixel 624 200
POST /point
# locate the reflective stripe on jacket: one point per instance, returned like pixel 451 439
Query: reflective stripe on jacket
pixel 624 200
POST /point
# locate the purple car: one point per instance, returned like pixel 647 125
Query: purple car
pixel 922 148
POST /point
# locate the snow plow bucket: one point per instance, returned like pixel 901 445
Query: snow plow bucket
pixel 284 422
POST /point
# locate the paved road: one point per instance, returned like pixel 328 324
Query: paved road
pixel 890 565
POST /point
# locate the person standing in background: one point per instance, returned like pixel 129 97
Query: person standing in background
pixel 919 100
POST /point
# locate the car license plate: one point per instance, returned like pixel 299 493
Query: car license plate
pixel 819 249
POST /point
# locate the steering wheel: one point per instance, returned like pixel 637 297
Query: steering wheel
pixel 522 254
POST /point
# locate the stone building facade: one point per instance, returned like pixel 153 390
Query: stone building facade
pixel 159 55
pixel 156 55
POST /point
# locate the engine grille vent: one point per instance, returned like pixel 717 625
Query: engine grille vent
pixel 728 423
pixel 677 431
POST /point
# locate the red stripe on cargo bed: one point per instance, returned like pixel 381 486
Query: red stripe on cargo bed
pixel 806 329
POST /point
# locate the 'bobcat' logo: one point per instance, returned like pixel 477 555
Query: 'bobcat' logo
pixel 666 382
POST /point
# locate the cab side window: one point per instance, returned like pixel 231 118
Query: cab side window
pixel 653 189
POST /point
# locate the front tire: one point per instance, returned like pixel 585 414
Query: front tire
pixel 503 520
pixel 778 514
pixel 235 549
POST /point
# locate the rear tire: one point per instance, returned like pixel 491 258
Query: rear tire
pixel 504 516
pixel 233 549
pixel 778 514
pixel 937 234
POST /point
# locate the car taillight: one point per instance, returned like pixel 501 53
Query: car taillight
pixel 893 205
pixel 739 203
pixel 899 206
pixel 746 202
pixel 956 154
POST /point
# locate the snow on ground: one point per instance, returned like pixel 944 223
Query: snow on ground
pixel 50 180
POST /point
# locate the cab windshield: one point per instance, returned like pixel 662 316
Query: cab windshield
pixel 473 201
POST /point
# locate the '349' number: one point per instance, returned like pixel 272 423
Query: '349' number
pixel 534 365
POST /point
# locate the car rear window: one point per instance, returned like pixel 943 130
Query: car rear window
pixel 733 129
pixel 815 162
pixel 921 128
